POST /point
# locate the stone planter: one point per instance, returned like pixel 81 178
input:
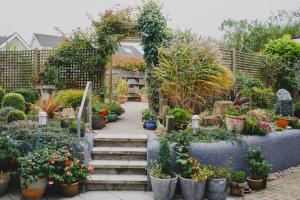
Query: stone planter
pixel 235 123
pixel 70 190
pixel 255 184
pixel 4 181
pixel 122 99
pixel 144 98
pixel 163 189
pixel 237 189
pixel 192 190
pixel 35 190
pixel 217 189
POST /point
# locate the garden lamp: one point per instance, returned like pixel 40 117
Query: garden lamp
pixel 195 122
pixel 42 118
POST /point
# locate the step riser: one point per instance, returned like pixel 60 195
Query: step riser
pixel 119 156
pixel 120 143
pixel 131 171
pixel 121 187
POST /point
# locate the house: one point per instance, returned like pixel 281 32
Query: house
pixel 13 42
pixel 45 42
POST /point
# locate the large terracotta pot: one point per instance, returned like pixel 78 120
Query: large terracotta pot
pixel 282 122
pixel 235 123
pixel 122 99
pixel 70 190
pixel 4 181
pixel 255 184
pixel 237 189
pixel 144 98
pixel 35 190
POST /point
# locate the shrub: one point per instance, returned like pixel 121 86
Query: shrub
pixel 15 115
pixel 238 176
pixel 122 88
pixel 260 97
pixel 8 153
pixel 30 95
pixel 4 112
pixel 72 97
pixel 2 93
pixel 297 109
pixel 257 164
pixel 182 117
pixel 254 127
pixel 14 100
pixel 165 157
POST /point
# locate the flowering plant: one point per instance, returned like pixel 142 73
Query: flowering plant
pixel 235 110
pixel 68 170
pixel 255 126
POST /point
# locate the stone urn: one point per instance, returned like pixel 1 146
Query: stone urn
pixel 191 189
pixel 217 189
pixel 4 181
pixel 235 123
pixel 35 190
pixel 163 189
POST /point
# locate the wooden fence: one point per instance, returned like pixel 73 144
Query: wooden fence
pixel 17 68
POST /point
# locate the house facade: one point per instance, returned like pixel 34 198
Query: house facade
pixel 13 42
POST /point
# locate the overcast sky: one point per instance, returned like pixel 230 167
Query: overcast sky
pixel 203 16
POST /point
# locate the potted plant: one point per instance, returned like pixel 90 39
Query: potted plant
pixel 192 177
pixel 116 108
pixel 73 127
pixel 217 183
pixel 259 169
pixel 238 183
pixel 144 95
pixel 99 117
pixel 182 118
pixel 163 180
pixel 235 121
pixel 35 168
pixel 282 122
pixel 122 92
pixel 69 172
pixel 149 119
pixel 8 156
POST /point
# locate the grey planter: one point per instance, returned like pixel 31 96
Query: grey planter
pixel 192 190
pixel 217 189
pixel 163 189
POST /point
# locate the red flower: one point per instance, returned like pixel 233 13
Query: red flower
pixel 236 107
pixel 103 113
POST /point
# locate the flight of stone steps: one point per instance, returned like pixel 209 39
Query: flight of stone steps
pixel 119 161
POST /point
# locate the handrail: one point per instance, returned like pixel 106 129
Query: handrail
pixel 88 88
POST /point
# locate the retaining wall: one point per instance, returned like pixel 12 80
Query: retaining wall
pixel 282 150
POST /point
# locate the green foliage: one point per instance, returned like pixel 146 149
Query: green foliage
pixel 235 111
pixel 153 32
pixel 181 116
pixel 238 176
pixel 252 127
pixel 149 115
pixel 51 76
pixel 218 173
pixel 122 88
pixel 8 154
pixel 260 97
pixel 165 157
pixel 257 164
pixel 14 100
pixel 30 95
pixel 15 115
pixel 190 74
pixel 72 97
pixel 115 107
pixel 287 52
pixel 297 108
pixel 156 171
pixel 4 112
pixel 251 36
pixel 2 93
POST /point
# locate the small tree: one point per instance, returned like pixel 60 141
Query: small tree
pixel 165 157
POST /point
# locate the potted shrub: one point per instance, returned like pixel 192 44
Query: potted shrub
pixel 8 156
pixel 69 172
pixel 238 183
pixel 73 127
pixel 35 168
pixel 192 178
pixel 144 95
pixel 217 183
pixel 149 119
pixel 182 118
pixel 259 169
pixel 235 121
pixel 163 180
pixel 122 92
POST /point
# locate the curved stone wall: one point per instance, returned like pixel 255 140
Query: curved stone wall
pixel 282 150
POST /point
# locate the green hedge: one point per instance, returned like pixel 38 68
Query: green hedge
pixel 14 100
pixel 30 95
pixel 15 115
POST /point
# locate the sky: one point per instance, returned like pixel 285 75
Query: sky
pixel 202 16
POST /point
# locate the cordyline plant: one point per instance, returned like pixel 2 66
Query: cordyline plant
pixel 49 105
pixel 189 72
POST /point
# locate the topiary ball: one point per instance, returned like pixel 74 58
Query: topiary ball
pixel 4 112
pixel 30 95
pixel 14 100
pixel 15 115
pixel 2 93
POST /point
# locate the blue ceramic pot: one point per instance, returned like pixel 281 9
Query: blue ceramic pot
pixel 151 125
pixel 112 117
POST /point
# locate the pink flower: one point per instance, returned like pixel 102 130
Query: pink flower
pixel 69 174
pixel 50 182
pixel 90 168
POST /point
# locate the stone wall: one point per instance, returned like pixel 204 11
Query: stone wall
pixel 282 150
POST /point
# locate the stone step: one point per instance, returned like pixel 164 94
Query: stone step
pixel 116 182
pixel 119 153
pixel 120 140
pixel 119 166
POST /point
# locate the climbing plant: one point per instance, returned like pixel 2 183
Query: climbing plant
pixel 153 32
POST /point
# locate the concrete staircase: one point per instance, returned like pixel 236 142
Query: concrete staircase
pixel 119 161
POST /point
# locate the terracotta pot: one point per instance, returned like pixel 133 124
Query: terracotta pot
pixel 282 122
pixel 237 189
pixel 4 181
pixel 255 184
pixel 235 123
pixel 70 190
pixel 144 98
pixel 122 99
pixel 35 190
pixel 98 122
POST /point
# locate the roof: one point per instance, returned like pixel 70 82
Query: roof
pixel 129 50
pixel 4 39
pixel 48 41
